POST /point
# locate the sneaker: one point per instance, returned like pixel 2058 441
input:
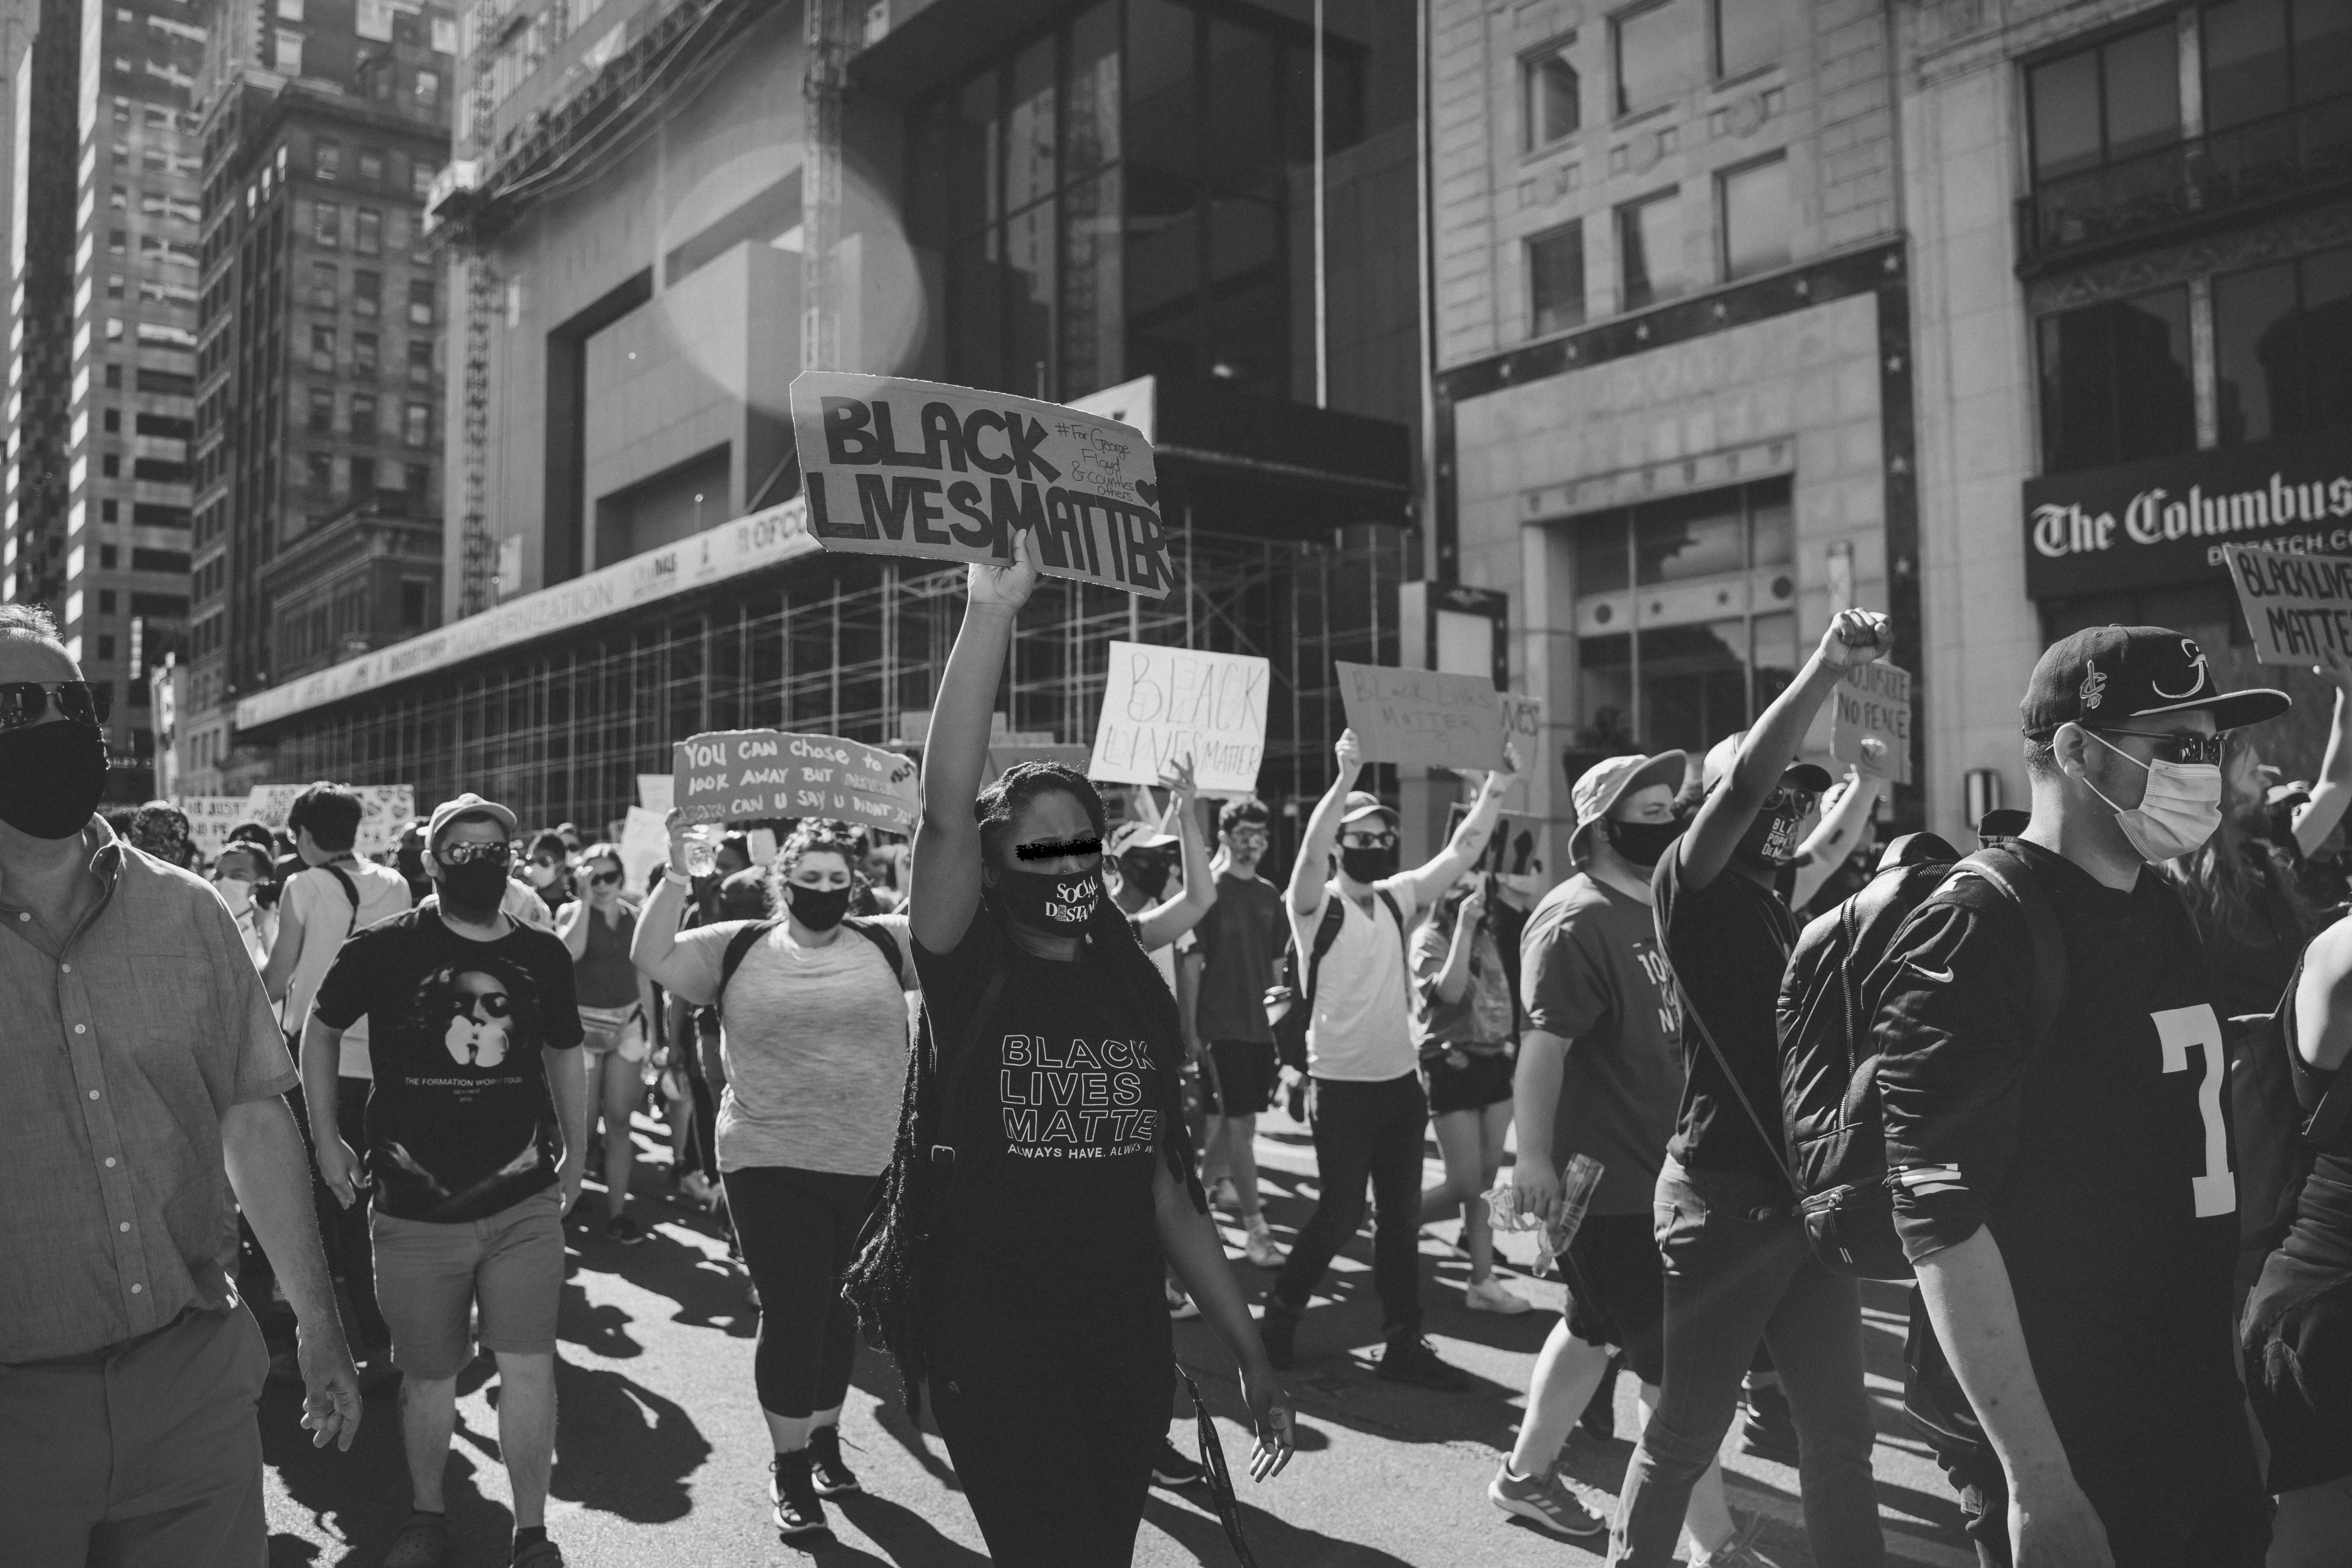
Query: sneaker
pixel 1179 1305
pixel 1491 1295
pixel 1766 1429
pixel 1225 1195
pixel 625 1231
pixel 696 1187
pixel 1170 1469
pixel 793 1491
pixel 833 1476
pixel 1739 1553
pixel 1260 1248
pixel 1410 1359
pixel 1545 1503
pixel 1278 1330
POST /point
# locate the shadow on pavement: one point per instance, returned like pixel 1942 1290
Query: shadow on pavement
pixel 910 1540
pixel 1271 1539
pixel 363 1496
pixel 624 1449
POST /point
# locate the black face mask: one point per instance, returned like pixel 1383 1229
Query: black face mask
pixel 1061 903
pixel 1771 839
pixel 475 890
pixel 51 776
pixel 818 908
pixel 1149 874
pixel 1642 844
pixel 1368 865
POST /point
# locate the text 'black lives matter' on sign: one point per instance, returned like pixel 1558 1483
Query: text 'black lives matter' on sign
pixel 894 467
pixel 1422 716
pixel 2299 607
pixel 733 775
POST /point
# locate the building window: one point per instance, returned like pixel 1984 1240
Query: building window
pixel 116 240
pixel 363 353
pixel 428 88
pixel 362 480
pixel 1556 279
pixel 2282 347
pixel 420 302
pixel 105 602
pixel 286 58
pixel 1655 51
pixel 1650 249
pixel 1554 95
pixel 2117 383
pixel 2106 103
pixel 324 290
pixel 1746 34
pixel 413 600
pixel 322 349
pixel 327 223
pixel 420 362
pixel 367 236
pixel 363 417
pixel 2262 57
pixel 327 160
pixel 420 179
pixel 416 479
pixel 419 430
pixel 371 167
pixel 1753 208
pixel 323 411
pixel 113 421
pixel 321 466
pixel 110 465
pixel 367 293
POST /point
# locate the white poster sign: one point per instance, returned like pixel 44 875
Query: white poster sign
pixel 1163 705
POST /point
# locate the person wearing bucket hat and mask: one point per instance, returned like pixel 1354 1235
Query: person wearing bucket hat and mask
pixel 2068 1202
pixel 1738 1268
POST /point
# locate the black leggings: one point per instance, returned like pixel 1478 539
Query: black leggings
pixel 799 1231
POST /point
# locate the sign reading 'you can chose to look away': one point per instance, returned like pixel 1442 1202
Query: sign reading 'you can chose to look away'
pixel 735 775
pixel 893 466
pixel 2298 607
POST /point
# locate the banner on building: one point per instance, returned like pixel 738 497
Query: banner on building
pixel 1163 705
pixel 2167 519
pixel 2299 607
pixel 1870 721
pixel 1425 717
pixel 734 775
pixel 893 466
pixel 210 816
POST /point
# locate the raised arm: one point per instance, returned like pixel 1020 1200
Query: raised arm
pixel 2323 999
pixel 1853 637
pixel 2332 791
pixel 1453 978
pixel 943 890
pixel 1826 847
pixel 1181 914
pixel 1469 841
pixel 653 948
pixel 572 926
pixel 1312 868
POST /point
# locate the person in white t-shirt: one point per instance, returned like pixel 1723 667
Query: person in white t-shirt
pixel 1370 1114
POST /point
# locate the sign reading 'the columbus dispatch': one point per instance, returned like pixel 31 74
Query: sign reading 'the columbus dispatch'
pixel 2166 519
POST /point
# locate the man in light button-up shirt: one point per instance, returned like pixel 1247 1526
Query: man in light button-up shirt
pixel 143 1072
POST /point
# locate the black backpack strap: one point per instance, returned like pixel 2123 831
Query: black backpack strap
pixel 884 943
pixel 343 880
pixel 2008 872
pixel 739 948
pixel 1327 932
pixel 1405 943
pixel 1772 1137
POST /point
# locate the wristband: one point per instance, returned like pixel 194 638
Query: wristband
pixel 671 874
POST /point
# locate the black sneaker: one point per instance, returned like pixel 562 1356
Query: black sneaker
pixel 833 1476
pixel 1170 1469
pixel 625 1231
pixel 1410 1359
pixel 794 1489
pixel 1278 1330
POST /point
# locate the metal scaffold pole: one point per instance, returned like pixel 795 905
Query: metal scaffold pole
pixel 826 74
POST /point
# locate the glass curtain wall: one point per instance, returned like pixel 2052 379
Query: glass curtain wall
pixel 1112 198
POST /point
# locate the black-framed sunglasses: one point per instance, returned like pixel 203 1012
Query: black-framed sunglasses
pixel 603 879
pixel 22 702
pixel 1387 840
pixel 466 854
pixel 2178 745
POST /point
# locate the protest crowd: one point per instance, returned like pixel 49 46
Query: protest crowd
pixel 2078 1082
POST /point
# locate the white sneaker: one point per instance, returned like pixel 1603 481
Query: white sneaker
pixel 1260 1248
pixel 1491 1295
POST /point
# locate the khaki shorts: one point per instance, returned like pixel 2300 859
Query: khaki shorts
pixel 429 1277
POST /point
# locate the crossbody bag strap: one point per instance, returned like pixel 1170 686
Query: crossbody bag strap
pixel 1763 1131
pixel 1221 1481
pixel 952 1070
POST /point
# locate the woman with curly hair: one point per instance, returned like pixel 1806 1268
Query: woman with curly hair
pixel 1045 1085
pixel 813 1037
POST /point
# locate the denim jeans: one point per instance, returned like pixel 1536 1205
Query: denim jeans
pixel 1737 1268
pixel 1366 1131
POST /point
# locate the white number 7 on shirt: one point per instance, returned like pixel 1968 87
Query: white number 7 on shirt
pixel 2179 1028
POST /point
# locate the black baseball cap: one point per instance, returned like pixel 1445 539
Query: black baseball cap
pixel 2103 676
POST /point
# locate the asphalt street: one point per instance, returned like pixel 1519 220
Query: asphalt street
pixel 662 1459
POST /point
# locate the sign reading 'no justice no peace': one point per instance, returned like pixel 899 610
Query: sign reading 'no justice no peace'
pixel 733 775
pixel 893 466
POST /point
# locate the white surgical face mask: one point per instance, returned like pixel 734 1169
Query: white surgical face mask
pixel 2180 810
pixel 235 893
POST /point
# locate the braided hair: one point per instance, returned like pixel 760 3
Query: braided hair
pixel 888 1283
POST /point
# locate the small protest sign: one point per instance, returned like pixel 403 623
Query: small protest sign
pixel 731 774
pixel 644 844
pixel 2299 607
pixel 654 792
pixel 1870 721
pixel 1516 848
pixel 1163 705
pixel 1422 716
pixel 210 816
pixel 893 466
pixel 1523 726
pixel 384 810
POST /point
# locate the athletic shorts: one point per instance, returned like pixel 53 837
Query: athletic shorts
pixel 1246 1073
pixel 429 1277
pixel 1484 1080
pixel 1617 1290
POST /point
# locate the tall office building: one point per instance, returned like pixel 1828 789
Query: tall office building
pixel 317 522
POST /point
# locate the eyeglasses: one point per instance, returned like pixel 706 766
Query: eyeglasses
pixel 2178 745
pixel 1368 840
pixel 1249 838
pixel 1800 801
pixel 22 702
pixel 464 854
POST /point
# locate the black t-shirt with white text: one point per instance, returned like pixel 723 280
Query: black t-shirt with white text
pixel 461 1124
pixel 1728 943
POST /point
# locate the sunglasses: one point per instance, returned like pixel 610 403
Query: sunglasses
pixel 1368 840
pixel 22 702
pixel 2178 745
pixel 466 854
pixel 603 879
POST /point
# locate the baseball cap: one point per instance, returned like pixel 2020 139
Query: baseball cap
pixel 1131 836
pixel 1363 802
pixel 466 805
pixel 2105 675
pixel 1606 782
pixel 1725 754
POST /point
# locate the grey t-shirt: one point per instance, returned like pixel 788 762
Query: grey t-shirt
pixel 815 1041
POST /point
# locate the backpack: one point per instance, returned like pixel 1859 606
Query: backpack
pixel 1830 1107
pixel 740 945
pixel 1290 1007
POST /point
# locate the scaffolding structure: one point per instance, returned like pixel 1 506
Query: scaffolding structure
pixel 848 646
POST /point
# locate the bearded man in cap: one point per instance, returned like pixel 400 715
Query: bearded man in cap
pixel 2067 1201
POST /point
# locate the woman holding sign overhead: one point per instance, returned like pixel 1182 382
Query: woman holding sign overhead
pixel 1046 1084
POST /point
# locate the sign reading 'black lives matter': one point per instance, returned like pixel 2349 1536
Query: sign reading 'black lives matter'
pixel 894 467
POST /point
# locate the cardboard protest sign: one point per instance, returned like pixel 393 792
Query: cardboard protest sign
pixel 1516 848
pixel 654 792
pixel 734 773
pixel 210 816
pixel 384 810
pixel 893 466
pixel 1870 721
pixel 644 844
pixel 1523 727
pixel 2299 607
pixel 1163 705
pixel 1422 716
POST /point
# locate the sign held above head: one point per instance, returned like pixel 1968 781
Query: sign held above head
pixel 2299 607
pixel 728 775
pixel 1422 716
pixel 1870 721
pixel 1163 705
pixel 894 467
